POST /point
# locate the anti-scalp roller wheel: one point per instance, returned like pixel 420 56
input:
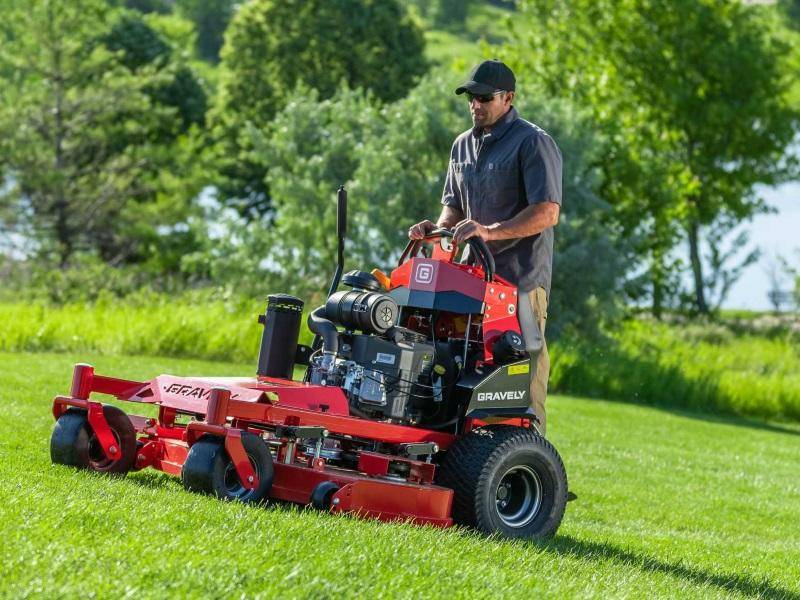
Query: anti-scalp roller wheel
pixel 209 470
pixel 73 442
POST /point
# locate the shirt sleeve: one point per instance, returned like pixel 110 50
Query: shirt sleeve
pixel 541 169
pixel 451 195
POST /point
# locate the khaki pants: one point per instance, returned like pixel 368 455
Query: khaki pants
pixel 540 363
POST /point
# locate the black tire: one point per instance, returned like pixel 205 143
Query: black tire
pixel 209 470
pixel 506 480
pixel 322 494
pixel 73 442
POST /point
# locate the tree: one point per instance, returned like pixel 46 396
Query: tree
pixel 444 14
pixel 272 46
pixel 726 262
pixel 78 134
pixel 790 270
pixel 210 18
pixel 791 9
pixel 689 98
pixel 142 46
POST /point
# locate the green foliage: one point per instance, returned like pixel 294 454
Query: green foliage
pixel 393 159
pixel 211 18
pixel 63 112
pixel 688 97
pixel 402 164
pixel 268 51
pixel 146 6
pixel 311 151
pixel 444 14
pixel 90 146
pixel 792 10
pixel 667 507
pixel 141 45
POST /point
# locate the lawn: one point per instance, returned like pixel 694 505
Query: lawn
pixel 669 504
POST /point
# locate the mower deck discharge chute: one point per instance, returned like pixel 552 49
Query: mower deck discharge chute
pixel 388 422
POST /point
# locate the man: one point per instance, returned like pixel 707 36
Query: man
pixel 504 185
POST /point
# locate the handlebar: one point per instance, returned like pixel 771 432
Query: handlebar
pixel 482 253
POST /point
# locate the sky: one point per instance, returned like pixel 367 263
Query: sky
pixel 775 234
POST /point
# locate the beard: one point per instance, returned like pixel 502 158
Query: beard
pixel 479 120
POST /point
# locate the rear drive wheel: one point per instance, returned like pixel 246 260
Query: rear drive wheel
pixel 209 470
pixel 506 480
pixel 73 442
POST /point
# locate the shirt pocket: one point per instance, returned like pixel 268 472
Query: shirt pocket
pixel 464 175
pixel 501 184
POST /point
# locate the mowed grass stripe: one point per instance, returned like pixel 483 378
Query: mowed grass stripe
pixel 670 504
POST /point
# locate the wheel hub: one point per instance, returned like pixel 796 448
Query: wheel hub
pixel 233 485
pixel 519 496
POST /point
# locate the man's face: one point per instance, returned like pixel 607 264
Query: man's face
pixel 486 114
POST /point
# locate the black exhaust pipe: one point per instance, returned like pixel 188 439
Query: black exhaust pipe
pixel 341 232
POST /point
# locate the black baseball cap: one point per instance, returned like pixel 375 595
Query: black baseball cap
pixel 487 78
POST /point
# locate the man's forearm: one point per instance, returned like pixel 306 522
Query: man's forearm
pixel 449 218
pixel 529 221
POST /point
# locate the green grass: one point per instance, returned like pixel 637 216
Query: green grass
pixel 706 367
pixel 669 505
pixel 164 326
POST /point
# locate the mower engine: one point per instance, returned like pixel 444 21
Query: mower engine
pixel 388 372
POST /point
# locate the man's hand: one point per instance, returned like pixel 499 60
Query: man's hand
pixel 469 228
pixel 421 229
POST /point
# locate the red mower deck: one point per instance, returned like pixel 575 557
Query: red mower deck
pixel 226 407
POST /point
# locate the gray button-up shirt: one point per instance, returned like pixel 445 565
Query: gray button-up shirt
pixel 493 176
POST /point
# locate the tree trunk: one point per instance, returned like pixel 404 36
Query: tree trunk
pixel 60 204
pixel 658 288
pixel 697 267
pixel 659 280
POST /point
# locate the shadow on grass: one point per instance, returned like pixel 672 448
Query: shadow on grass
pixel 606 371
pixel 742 584
pixel 155 480
pixel 749 422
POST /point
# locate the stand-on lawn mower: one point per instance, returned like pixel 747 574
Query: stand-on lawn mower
pixel 390 418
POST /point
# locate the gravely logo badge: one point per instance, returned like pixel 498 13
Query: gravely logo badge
pixel 191 391
pixel 424 273
pixel 497 396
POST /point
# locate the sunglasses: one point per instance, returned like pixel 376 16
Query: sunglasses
pixel 482 98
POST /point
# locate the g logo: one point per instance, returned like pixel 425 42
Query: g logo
pixel 424 273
